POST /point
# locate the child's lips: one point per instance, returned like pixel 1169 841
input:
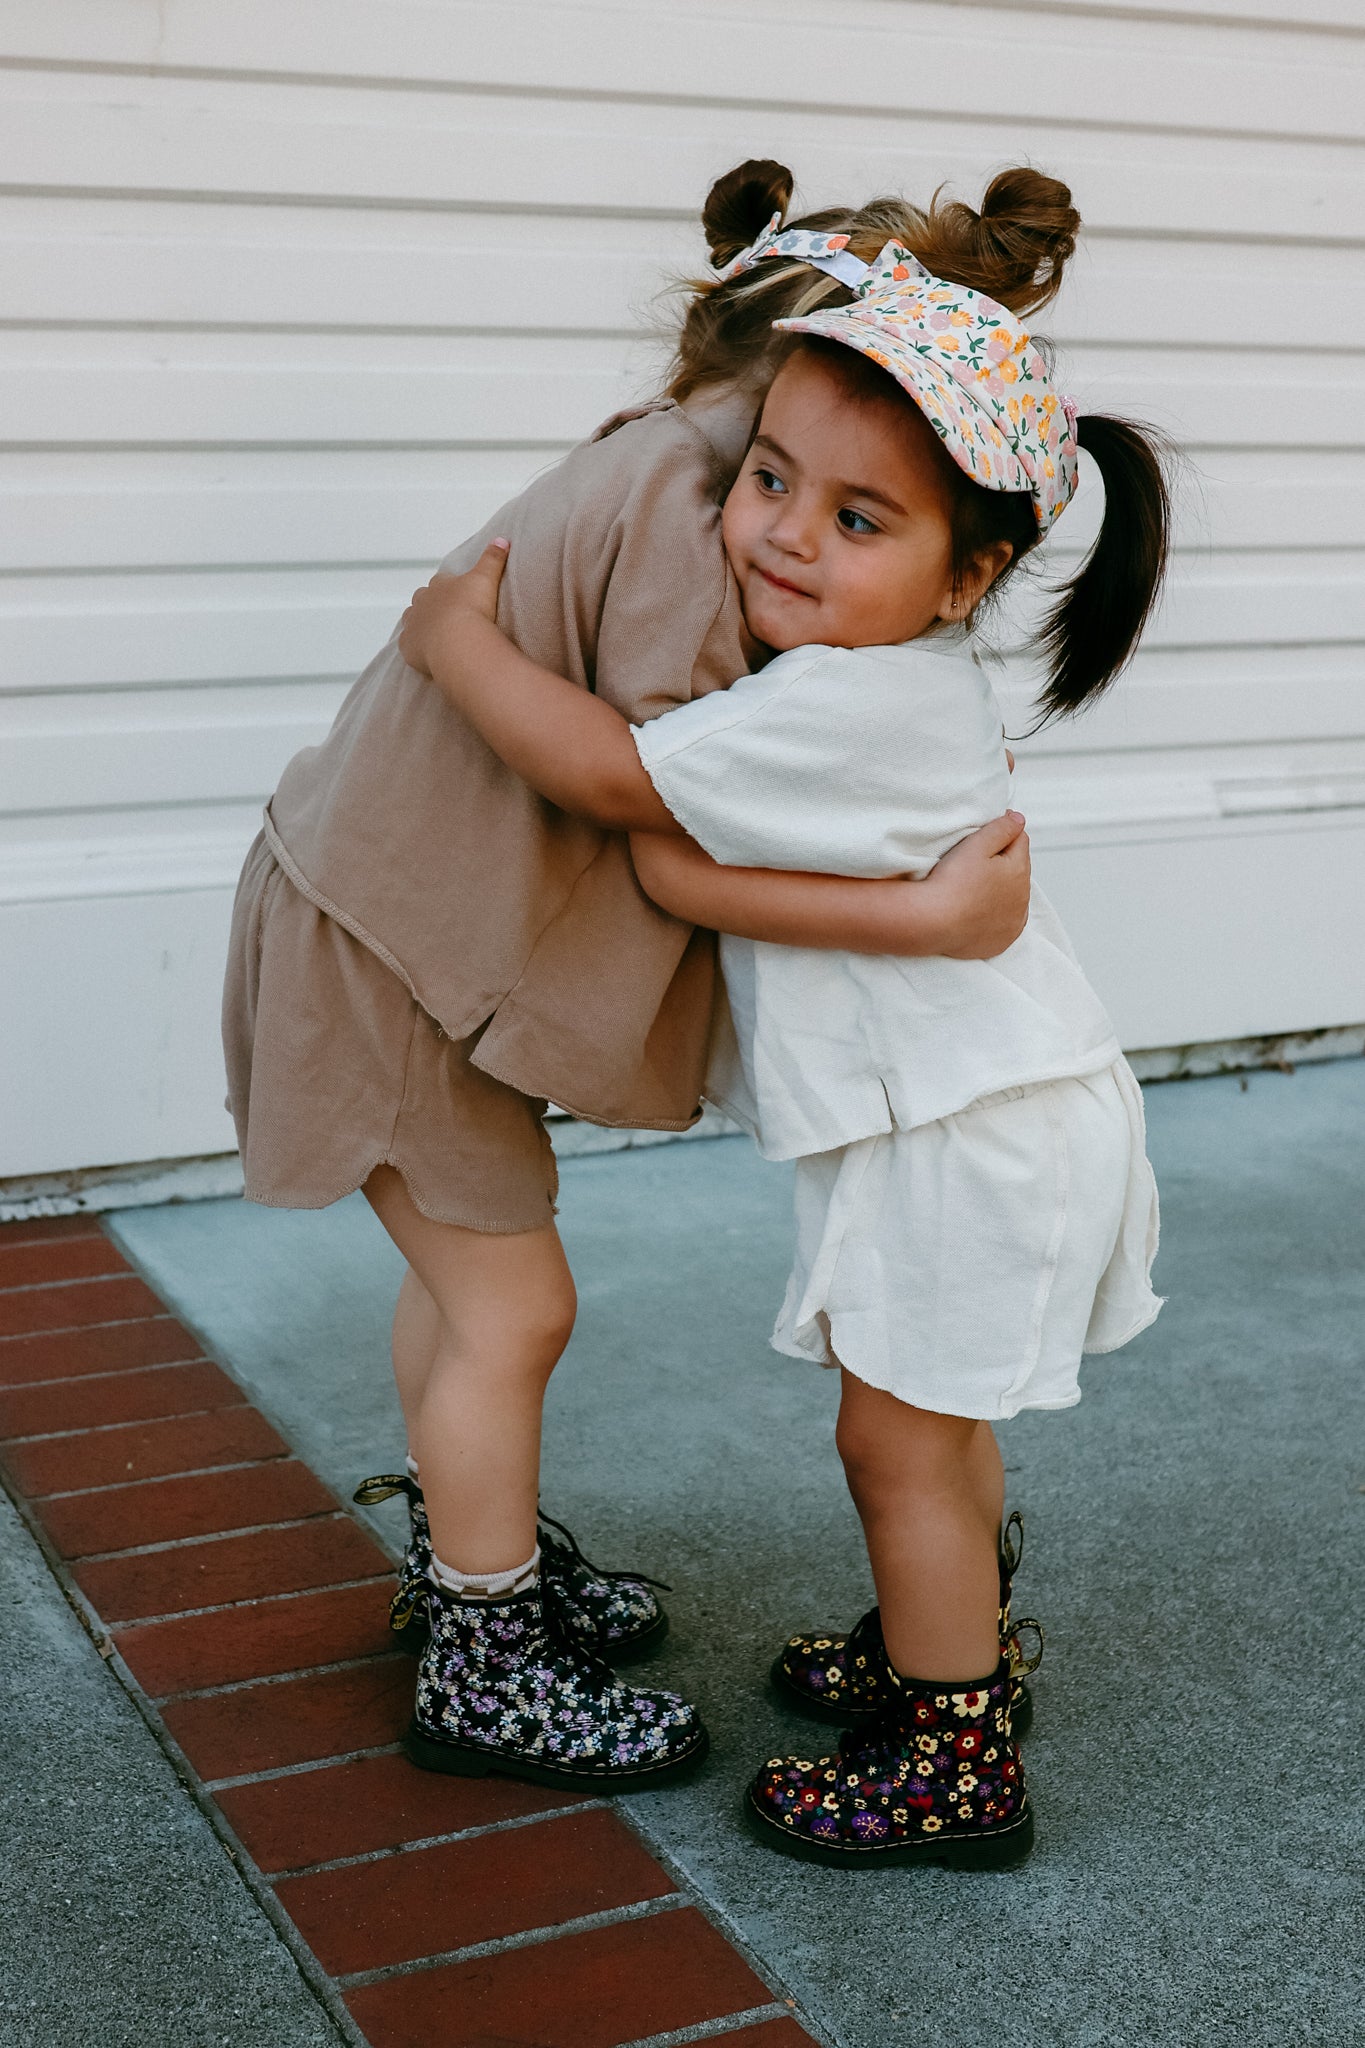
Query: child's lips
pixel 781 583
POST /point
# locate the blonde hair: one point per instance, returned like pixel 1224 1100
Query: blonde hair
pixel 1014 248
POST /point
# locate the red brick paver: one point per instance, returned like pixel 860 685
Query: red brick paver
pixel 589 1990
pixel 214 1570
pixel 125 1451
pixel 247 1601
pixel 455 1894
pixel 369 1804
pixel 135 1396
pixel 102 1348
pixel 116 1298
pixel 167 1510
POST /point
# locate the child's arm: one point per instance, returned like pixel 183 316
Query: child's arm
pixel 567 744
pixel 578 753
pixel 971 907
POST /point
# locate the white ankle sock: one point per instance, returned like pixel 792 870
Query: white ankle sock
pixel 487 1585
pixel 411 1464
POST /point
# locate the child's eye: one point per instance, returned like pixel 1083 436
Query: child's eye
pixel 856 522
pixel 769 481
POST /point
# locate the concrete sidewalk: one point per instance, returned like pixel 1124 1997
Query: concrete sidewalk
pixel 1193 1534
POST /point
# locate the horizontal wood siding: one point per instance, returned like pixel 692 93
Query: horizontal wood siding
pixel 291 297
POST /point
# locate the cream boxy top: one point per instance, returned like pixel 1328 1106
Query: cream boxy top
pixel 868 761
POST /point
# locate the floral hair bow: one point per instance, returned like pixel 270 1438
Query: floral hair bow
pixel 799 245
pixel 970 368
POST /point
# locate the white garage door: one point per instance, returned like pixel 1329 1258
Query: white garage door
pixel 292 295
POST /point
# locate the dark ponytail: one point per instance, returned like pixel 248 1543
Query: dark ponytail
pixel 740 205
pixel 1092 632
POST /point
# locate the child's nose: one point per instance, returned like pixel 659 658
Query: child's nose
pixel 793 531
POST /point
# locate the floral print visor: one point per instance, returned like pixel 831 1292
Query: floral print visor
pixel 964 359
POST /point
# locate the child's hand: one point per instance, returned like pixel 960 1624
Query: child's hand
pixel 983 886
pixel 437 620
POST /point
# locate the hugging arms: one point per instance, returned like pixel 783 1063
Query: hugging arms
pixel 576 751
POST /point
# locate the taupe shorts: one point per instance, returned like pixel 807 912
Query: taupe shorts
pixel 334 1069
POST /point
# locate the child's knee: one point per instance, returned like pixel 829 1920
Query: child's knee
pixel 864 1450
pixel 884 1440
pixel 549 1324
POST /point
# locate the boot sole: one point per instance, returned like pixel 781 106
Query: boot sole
pixel 1021 1718
pixel 468 1760
pixel 991 1849
pixel 414 1636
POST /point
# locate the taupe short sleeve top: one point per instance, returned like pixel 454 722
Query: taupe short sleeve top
pixel 489 903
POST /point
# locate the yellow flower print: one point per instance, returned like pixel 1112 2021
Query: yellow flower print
pixel 960 317
pixel 1003 335
pixel 950 343
pixel 931 1824
pixel 1049 467
pixel 1048 402
pixel 1013 408
pixel 968 1705
pixel 1009 371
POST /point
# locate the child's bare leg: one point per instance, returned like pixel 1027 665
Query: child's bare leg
pixel 416 1334
pixel 505 1307
pixel 926 1495
pixel 988 1475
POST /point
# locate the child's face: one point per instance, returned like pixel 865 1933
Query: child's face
pixel 837 527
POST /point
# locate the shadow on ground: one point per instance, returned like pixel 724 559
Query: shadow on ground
pixel 1193 1529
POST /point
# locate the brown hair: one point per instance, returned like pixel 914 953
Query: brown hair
pixel 1092 630
pixel 1014 248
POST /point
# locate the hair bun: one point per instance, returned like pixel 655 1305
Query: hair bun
pixel 740 205
pixel 1015 249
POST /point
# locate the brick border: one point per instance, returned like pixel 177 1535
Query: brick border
pixel 245 1610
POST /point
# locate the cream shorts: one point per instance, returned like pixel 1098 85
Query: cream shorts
pixel 966 1265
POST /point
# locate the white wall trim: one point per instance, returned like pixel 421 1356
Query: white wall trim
pixel 1100 810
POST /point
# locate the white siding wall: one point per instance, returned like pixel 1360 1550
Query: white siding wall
pixel 292 295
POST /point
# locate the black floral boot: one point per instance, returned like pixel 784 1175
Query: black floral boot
pixel 502 1686
pixel 613 1614
pixel 837 1678
pixel 935 1778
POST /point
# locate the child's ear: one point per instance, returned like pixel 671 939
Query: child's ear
pixel 962 597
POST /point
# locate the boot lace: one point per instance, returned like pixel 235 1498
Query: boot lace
pixel 565 1546
pixel 383 1486
pixel 1023 1661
